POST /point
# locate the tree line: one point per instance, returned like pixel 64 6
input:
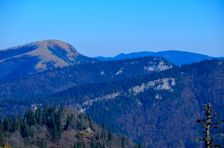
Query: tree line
pixel 58 120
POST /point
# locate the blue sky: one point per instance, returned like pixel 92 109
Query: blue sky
pixel 109 27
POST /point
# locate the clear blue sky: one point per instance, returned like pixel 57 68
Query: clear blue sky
pixel 109 27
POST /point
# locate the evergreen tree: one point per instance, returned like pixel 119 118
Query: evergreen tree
pixel 39 116
pixel 69 122
pixel 79 143
pixel 1 133
pixel 8 124
pixel 25 130
pixel 30 117
pixel 123 142
pixel 90 122
pixel 138 145
pixel 109 136
pixel 17 124
pixel 53 122
pixel 43 144
pixel 93 143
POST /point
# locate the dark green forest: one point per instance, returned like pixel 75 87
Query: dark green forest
pixel 57 127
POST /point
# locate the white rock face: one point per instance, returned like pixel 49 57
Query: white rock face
pixel 82 110
pixel 160 67
pixel 160 84
pixel 102 73
pixel 164 84
pixel 119 71
pixel 89 130
pixel 158 97
pixel 220 63
pixel 89 102
pixel 139 103
pixel 35 106
pixel 150 68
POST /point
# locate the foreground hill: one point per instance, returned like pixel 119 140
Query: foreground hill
pixel 158 109
pixel 38 56
pixel 177 57
pixel 57 127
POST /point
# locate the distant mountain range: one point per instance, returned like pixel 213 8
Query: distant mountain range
pixel 49 54
pixel 177 57
pixel 140 95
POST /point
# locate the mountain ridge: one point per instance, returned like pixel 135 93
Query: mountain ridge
pixel 174 56
pixel 62 78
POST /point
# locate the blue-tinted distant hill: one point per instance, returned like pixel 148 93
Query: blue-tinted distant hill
pixel 176 57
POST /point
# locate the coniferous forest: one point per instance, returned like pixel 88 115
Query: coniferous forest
pixel 57 127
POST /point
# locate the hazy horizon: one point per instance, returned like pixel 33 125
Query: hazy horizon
pixel 108 28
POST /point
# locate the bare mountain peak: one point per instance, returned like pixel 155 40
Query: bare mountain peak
pixel 54 51
pixel 52 42
pixel 53 45
pixel 46 54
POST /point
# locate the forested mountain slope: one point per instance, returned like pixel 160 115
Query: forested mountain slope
pixel 57 127
pixel 159 110
pixel 59 79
